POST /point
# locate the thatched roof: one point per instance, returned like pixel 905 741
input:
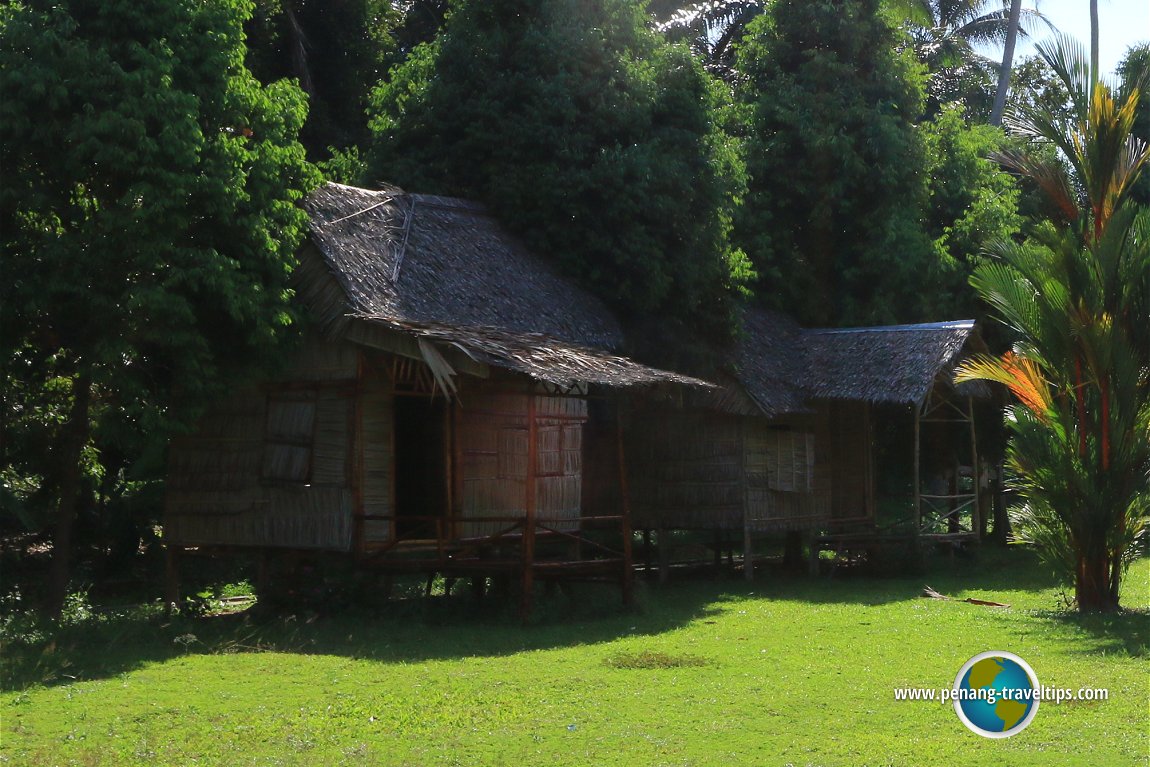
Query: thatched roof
pixel 542 357
pixel 784 367
pixel 424 259
pixel 444 271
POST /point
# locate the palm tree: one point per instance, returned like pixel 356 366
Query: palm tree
pixel 1007 63
pixel 945 33
pixel 1077 296
pixel 712 29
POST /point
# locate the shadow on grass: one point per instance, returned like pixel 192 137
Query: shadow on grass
pixel 415 628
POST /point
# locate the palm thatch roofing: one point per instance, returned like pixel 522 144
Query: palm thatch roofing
pixel 783 366
pixel 443 271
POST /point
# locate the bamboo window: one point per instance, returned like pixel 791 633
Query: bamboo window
pixel 289 433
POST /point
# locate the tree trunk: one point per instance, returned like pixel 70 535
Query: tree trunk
pixel 1007 62
pixel 1094 73
pixel 70 447
pixel 1093 587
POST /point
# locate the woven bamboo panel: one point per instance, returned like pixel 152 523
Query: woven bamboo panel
pixel 376 426
pixel 319 359
pixel 687 470
pixel 293 517
pixel 331 446
pixel 493 439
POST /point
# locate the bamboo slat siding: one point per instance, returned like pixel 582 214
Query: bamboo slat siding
pixel 688 470
pixel 377 450
pixel 700 470
pixel 269 466
pixel 493 444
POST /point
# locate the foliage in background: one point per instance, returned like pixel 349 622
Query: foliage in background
pixel 334 52
pixel 973 202
pixel 149 222
pixel 586 134
pixel 945 34
pixel 833 216
pixel 1077 296
pixel 713 29
pixel 1135 64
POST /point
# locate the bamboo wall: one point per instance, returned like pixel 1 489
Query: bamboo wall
pixel 702 470
pixel 375 454
pixel 686 469
pixel 845 428
pixel 492 440
pixel 270 466
pixel 784 489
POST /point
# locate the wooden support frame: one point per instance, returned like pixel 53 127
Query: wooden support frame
pixel 628 574
pixel 944 410
pixel 528 584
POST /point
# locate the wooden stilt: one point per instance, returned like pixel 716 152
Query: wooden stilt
pixel 812 553
pixel 664 555
pixel 628 573
pixel 646 549
pixel 718 548
pixel 748 553
pixel 917 473
pixel 977 524
pixel 171 579
pixel 528 565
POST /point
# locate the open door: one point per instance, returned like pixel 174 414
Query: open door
pixel 421 476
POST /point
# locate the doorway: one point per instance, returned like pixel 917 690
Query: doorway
pixel 421 448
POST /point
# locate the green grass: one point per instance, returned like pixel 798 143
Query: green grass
pixel 787 670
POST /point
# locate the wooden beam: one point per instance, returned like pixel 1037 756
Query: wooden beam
pixel 628 574
pixel 976 521
pixel 529 522
pixel 171 578
pixel 917 475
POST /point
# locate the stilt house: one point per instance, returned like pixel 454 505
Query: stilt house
pixel 785 443
pixel 433 418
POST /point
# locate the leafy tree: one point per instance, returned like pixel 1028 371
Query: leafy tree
pixel 1078 298
pixel 149 221
pixel 833 216
pixel 587 134
pixel 335 51
pixel 973 202
pixel 713 29
pixel 1134 65
pixel 945 34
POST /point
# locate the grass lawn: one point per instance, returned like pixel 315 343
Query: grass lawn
pixel 709 671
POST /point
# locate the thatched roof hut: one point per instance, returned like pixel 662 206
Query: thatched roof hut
pixel 785 442
pixel 443 270
pixel 357 449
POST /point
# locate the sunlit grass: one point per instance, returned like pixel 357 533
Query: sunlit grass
pixel 787 670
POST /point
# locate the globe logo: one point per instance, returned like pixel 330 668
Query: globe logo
pixel 996 694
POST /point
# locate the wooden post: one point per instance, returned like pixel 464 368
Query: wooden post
pixel 664 554
pixel 812 553
pixel 647 550
pixel 976 510
pixel 171 579
pixel 868 452
pixel 355 464
pixel 718 542
pixel 917 469
pixel 628 573
pixel 448 527
pixel 263 576
pixel 748 552
pixel 529 521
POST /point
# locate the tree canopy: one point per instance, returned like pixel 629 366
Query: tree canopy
pixel 833 215
pixel 148 213
pixel 588 135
